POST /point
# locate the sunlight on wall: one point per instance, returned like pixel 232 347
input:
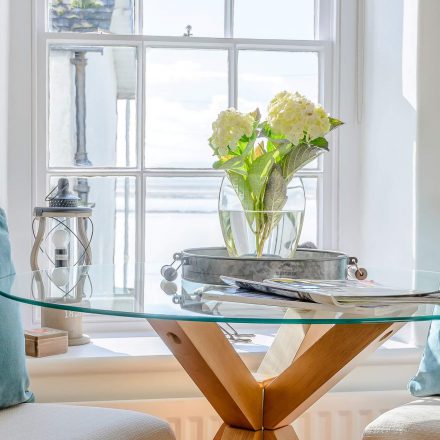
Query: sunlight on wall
pixel 409 88
pixel 409 52
pixel 388 134
pixel 428 152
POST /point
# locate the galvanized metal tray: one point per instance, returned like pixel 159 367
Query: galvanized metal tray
pixel 206 265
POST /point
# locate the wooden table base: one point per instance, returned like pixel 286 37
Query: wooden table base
pixel 228 433
pixel 257 410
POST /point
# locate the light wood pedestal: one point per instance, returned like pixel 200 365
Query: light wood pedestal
pixel 264 408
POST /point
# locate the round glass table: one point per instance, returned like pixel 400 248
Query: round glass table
pixel 304 361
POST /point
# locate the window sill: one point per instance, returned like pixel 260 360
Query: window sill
pixel 149 353
pixel 119 368
pixel 114 353
pixel 141 367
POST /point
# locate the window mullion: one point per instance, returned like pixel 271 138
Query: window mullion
pixel 140 236
pixel 173 41
pixel 141 109
pixel 325 16
pixel 317 22
pixel 141 180
pixel 208 172
pixel 139 11
pixel 232 76
pixel 328 198
pixel 229 18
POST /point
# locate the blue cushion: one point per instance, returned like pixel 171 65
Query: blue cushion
pixel 427 380
pixel 14 380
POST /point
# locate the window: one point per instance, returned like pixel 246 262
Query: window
pixel 126 92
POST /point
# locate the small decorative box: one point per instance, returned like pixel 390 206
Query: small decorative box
pixel 40 342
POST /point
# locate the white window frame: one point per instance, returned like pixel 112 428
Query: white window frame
pixel 326 46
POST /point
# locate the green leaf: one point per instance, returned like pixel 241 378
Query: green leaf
pixel 242 190
pixel 218 163
pixel 275 198
pixel 259 173
pixel 299 156
pixel 282 149
pixel 271 146
pixel 250 143
pixel 235 164
pixel 320 142
pixel 275 195
pixel 241 187
pixel 266 131
pixel 241 145
pixel 334 123
pixel 210 144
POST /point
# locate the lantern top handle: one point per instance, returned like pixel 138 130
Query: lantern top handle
pixel 64 198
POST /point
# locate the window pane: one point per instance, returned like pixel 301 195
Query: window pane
pixel 282 19
pixel 171 17
pixel 262 74
pixel 310 225
pixel 92 106
pixel 113 200
pixel 313 165
pixel 181 212
pixel 107 16
pixel 185 90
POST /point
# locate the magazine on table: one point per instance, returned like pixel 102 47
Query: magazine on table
pixel 340 293
pixel 231 294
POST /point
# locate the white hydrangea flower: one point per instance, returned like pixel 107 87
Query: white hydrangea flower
pixel 228 129
pixel 296 117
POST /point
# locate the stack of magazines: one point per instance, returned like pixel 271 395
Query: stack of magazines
pixel 334 294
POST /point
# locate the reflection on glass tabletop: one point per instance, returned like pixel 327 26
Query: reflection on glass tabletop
pixel 133 291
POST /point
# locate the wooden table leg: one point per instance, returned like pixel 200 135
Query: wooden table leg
pixel 284 347
pixel 290 341
pixel 319 367
pixel 227 433
pixel 285 433
pixel 217 369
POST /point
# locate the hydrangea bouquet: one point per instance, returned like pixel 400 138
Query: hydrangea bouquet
pixel 260 158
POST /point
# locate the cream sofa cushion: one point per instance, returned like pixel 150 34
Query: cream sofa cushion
pixel 41 421
pixel 418 420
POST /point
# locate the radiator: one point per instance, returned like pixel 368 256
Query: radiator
pixel 337 416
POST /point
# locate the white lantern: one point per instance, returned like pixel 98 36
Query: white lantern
pixel 67 232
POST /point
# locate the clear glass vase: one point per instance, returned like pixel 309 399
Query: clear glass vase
pixel 262 233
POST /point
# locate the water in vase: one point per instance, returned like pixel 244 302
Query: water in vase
pixel 261 234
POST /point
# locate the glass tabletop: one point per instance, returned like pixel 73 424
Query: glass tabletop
pixel 132 290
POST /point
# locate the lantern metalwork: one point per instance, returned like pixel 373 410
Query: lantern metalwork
pixel 68 228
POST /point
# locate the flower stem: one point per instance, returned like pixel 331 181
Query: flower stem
pixel 260 234
pixel 259 245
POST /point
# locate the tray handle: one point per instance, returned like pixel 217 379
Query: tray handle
pixel 354 271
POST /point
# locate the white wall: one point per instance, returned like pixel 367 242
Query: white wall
pixel 400 190
pixel 19 123
pixel 4 55
pixel 428 138
pixel 388 134
pixel 348 205
pixel 20 133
